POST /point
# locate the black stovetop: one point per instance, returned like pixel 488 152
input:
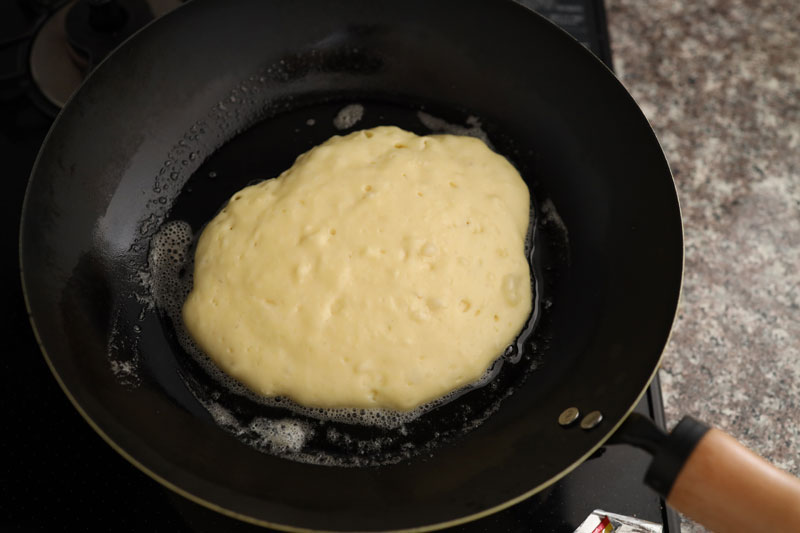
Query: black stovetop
pixel 57 474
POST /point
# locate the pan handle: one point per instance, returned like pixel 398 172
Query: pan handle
pixel 707 475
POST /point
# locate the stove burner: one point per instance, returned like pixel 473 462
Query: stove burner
pixel 52 66
pixel 95 27
pixel 77 36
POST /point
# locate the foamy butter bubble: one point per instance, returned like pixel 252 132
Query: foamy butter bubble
pixel 283 435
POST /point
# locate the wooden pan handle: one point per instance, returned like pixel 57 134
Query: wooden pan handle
pixel 728 488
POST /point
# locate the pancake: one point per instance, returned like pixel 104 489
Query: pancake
pixel 382 270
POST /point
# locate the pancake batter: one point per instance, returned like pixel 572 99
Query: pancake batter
pixel 382 269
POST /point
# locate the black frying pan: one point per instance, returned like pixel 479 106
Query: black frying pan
pixel 227 90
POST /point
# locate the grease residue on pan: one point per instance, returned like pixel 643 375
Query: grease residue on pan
pixel 122 351
pixel 348 116
pixel 438 125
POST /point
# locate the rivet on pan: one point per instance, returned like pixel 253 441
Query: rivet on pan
pixel 591 420
pixel 568 416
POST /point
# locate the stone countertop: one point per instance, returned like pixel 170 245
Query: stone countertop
pixel 720 83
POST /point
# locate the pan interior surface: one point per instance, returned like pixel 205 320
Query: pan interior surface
pixel 212 97
pixel 264 150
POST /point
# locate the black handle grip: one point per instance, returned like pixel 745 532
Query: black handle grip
pixel 669 451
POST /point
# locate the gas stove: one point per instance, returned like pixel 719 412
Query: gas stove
pixel 57 473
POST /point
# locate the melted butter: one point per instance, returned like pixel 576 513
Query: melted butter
pixel 382 270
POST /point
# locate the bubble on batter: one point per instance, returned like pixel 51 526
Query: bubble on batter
pixel 438 125
pixel 348 116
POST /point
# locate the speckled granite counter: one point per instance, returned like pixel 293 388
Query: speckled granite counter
pixel 720 83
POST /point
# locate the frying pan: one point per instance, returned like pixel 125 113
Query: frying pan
pixel 215 95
